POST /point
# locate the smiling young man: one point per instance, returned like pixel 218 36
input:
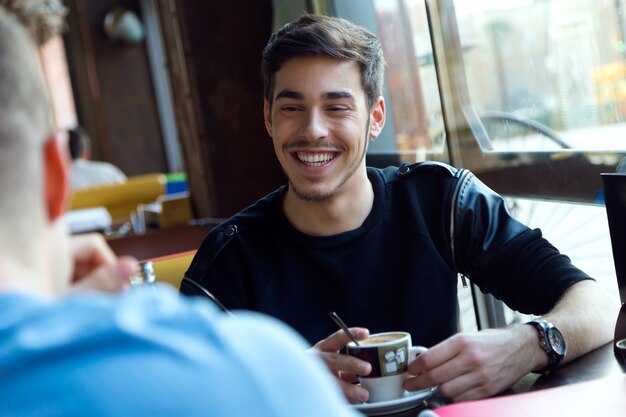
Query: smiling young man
pixel 384 247
pixel 320 131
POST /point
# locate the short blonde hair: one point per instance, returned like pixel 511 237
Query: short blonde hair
pixel 25 123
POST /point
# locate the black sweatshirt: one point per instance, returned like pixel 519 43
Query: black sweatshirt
pixel 397 271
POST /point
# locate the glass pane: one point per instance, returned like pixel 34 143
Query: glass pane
pixel 579 230
pixel 546 75
pixel 411 79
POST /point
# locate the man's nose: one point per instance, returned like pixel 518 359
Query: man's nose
pixel 314 125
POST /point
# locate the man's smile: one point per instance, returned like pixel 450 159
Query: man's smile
pixel 315 159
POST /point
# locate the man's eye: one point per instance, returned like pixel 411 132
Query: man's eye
pixel 289 108
pixel 337 108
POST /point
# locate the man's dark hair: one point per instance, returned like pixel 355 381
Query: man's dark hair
pixel 78 142
pixel 338 38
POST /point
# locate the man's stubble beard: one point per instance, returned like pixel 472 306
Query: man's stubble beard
pixel 319 197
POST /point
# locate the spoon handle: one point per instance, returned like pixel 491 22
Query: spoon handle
pixel 343 326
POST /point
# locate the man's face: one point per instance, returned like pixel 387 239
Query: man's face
pixel 320 125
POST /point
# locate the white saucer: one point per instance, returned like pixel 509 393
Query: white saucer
pixel 410 400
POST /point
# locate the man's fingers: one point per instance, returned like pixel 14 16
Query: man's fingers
pixel 355 393
pixel 467 385
pixel 349 377
pixel 110 278
pixel 438 355
pixel 345 367
pixel 338 362
pixel 339 339
pixel 430 375
pixel 94 247
pixel 466 366
pixel 437 365
pixel 90 252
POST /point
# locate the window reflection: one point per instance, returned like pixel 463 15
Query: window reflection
pixel 411 78
pixel 528 94
pixel 559 64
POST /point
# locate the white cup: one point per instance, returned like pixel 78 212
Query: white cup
pixel 389 354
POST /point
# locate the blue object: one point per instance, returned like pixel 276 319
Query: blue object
pixel 176 183
pixel 151 352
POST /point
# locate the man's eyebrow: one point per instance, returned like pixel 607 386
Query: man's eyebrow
pixel 331 95
pixel 289 94
pixel 336 95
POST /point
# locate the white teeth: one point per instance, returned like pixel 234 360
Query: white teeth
pixel 315 159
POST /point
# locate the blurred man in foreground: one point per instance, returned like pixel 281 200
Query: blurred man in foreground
pixel 145 352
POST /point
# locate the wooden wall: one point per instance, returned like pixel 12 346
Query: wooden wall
pixel 214 51
pixel 113 90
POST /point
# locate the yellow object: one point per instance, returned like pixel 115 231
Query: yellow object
pixel 175 210
pixel 171 269
pixel 121 199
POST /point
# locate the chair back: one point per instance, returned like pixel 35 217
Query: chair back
pixel 121 199
pixel 615 201
pixel 170 269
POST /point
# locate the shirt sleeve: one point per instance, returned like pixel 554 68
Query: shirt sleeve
pixel 529 274
pixel 504 257
pixel 274 364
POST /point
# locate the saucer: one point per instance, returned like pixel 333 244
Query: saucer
pixel 411 399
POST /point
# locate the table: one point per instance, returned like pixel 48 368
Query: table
pixel 596 364
pixel 160 242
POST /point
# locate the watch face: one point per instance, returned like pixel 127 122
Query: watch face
pixel 556 341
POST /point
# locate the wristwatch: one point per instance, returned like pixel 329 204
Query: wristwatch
pixel 552 342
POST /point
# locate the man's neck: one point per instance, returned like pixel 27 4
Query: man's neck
pixel 341 213
pixel 17 277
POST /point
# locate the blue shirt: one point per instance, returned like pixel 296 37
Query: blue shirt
pixel 153 353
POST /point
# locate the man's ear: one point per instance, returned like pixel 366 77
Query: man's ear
pixel 56 181
pixel 267 117
pixel 377 118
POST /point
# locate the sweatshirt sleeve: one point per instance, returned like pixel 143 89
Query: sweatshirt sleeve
pixel 504 257
pixel 529 274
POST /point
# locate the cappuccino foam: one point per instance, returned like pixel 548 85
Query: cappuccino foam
pixel 380 339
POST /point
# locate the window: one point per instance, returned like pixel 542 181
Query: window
pixel 411 79
pixel 558 64
pixel 528 94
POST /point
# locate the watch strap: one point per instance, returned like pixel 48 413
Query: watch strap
pixel 544 329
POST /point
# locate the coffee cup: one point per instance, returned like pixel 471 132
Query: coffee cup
pixel 389 354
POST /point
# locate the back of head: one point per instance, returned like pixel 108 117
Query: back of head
pixel 25 123
pixel 338 38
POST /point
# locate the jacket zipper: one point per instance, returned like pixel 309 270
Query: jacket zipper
pixel 462 174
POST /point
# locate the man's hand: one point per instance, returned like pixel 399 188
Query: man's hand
pixel 344 367
pixel 476 365
pixel 96 268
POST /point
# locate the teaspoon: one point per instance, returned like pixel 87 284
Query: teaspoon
pixel 343 326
